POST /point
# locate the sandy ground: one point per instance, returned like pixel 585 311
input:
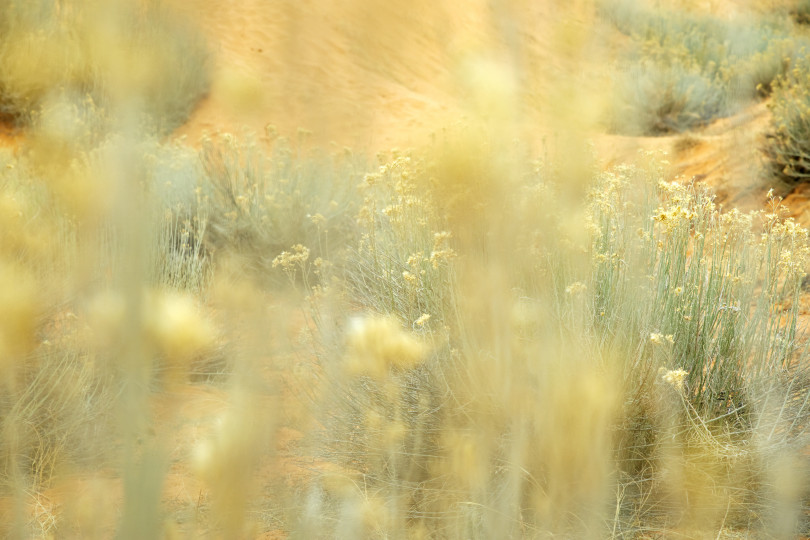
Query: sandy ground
pixel 372 74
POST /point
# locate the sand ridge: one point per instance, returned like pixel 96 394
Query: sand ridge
pixel 373 74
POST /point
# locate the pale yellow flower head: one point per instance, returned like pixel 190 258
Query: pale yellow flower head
pixel 378 344
pixel 576 288
pixel 659 339
pixel 674 378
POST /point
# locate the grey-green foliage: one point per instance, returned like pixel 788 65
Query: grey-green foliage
pixel 683 70
pixel 724 285
pixel 139 58
pixel 788 144
pixel 180 259
pixel 670 283
pixel 54 415
pixel 681 288
pixel 265 197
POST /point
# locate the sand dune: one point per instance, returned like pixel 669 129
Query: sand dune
pixel 373 74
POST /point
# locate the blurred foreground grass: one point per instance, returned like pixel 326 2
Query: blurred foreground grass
pixel 455 341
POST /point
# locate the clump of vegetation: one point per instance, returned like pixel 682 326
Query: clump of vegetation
pixel 455 342
pixel 684 70
pixel 122 53
pixel 787 145
pixel 801 12
pixel 261 202
pixel 672 329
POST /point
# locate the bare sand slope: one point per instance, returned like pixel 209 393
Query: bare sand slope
pixel 375 73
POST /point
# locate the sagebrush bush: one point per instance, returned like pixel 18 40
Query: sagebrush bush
pixel 401 263
pixel 624 381
pixel 713 314
pixel 262 201
pixel 122 53
pixel 787 145
pixel 682 71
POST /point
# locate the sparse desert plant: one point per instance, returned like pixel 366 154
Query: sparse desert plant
pixel 719 328
pixel 56 395
pixel 669 341
pixel 684 70
pixel 787 145
pixel 748 267
pixel 263 198
pixel 402 265
pixel 179 213
pixel 124 54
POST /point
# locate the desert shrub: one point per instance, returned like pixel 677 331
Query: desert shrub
pixel 604 393
pixel 179 211
pixel 401 265
pixel 673 97
pixel 787 145
pixel 684 70
pixel 54 400
pixel 711 313
pixel 263 198
pixel 122 53
pixel 60 248
pixel 54 416
pixel 747 267
pixel 801 12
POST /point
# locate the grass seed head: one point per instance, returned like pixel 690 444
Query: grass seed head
pixel 378 344
pixel 176 327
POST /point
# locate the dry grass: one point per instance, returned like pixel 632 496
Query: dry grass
pixel 455 342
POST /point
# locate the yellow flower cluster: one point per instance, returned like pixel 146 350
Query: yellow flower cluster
pixel 441 251
pixel 659 339
pixel 576 288
pixel 378 344
pixel 675 378
pixel 673 217
pixel 288 259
